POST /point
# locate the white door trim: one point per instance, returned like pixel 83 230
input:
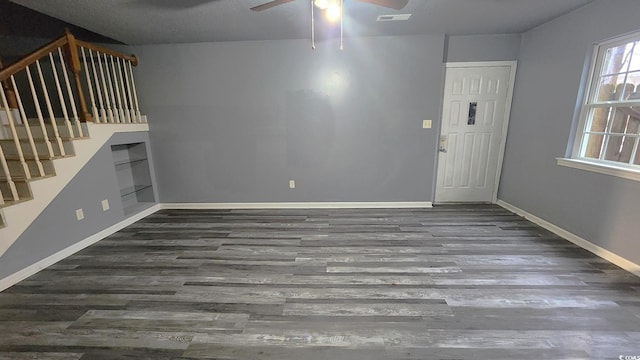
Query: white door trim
pixel 480 64
pixel 507 111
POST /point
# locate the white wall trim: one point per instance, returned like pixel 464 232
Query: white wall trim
pixel 505 126
pixel 601 168
pixel 513 67
pixel 300 205
pixel 19 217
pixel 62 254
pixel 577 240
pixel 455 64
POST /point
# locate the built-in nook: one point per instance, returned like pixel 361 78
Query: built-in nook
pixel 134 178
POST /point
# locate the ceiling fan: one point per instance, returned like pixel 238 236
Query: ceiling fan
pixel 392 4
pixel 334 9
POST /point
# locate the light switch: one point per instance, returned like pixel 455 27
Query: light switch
pixel 105 205
pixel 292 184
pixel 426 124
pixel 79 214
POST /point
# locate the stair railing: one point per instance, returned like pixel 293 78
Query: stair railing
pixel 43 102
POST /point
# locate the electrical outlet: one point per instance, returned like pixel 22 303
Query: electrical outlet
pixel 105 204
pixel 79 214
pixel 292 184
pixel 426 124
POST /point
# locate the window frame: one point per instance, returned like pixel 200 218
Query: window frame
pixel 588 103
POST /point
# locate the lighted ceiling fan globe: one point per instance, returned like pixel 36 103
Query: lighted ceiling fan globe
pixel 333 11
pixel 324 4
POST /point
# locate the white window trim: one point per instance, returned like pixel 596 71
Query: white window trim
pixel 622 170
pixel 606 168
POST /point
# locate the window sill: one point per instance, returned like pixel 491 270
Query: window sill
pixel 600 168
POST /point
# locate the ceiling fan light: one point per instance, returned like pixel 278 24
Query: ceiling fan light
pixel 321 4
pixel 333 13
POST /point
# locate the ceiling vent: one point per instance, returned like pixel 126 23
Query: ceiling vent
pixel 397 17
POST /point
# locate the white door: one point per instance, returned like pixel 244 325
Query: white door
pixel 473 132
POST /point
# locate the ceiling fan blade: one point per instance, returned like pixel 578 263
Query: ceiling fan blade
pixel 392 4
pixel 270 4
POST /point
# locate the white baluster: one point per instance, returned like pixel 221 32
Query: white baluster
pixel 94 109
pixel 125 106
pixel 52 116
pixel 14 134
pixel 27 128
pixel 8 179
pixel 131 110
pixel 36 102
pixel 63 104
pixel 104 88
pixel 103 113
pixel 116 116
pixel 135 95
pixel 117 87
pixel 72 100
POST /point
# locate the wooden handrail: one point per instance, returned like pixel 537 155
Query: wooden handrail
pixel 31 58
pixel 104 50
pixel 71 47
pixel 8 90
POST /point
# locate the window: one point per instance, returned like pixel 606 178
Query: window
pixel 609 132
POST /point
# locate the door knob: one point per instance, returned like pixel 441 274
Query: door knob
pixel 442 147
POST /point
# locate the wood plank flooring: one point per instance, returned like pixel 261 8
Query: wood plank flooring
pixel 452 282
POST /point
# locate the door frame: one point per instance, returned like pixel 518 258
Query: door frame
pixel 507 115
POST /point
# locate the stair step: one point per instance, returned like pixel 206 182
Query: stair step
pixel 8 203
pixel 22 187
pixel 36 130
pixel 40 138
pixel 16 169
pixel 9 148
pixel 3 178
pixel 16 157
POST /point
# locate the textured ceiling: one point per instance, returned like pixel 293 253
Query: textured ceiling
pixel 176 21
pixel 16 20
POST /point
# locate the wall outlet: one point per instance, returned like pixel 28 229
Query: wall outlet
pixel 79 214
pixel 105 204
pixel 426 124
pixel 292 184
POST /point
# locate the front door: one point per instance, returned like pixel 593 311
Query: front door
pixel 473 131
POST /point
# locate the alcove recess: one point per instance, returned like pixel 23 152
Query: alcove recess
pixel 134 177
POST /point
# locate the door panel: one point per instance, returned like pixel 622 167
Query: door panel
pixel 475 101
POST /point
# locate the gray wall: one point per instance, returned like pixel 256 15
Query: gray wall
pixel 599 208
pixel 501 47
pixel 234 121
pixel 56 228
pixel 13 47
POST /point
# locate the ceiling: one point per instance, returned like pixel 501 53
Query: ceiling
pixel 18 21
pixel 178 21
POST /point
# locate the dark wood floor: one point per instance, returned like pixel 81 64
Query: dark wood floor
pixel 452 282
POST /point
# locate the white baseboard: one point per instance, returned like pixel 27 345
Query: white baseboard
pixel 19 217
pixel 577 240
pixel 300 205
pixel 60 255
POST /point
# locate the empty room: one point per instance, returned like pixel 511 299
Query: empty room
pixel 320 179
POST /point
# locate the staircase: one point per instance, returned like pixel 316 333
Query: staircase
pixel 45 117
pixel 38 153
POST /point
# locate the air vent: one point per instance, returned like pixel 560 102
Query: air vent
pixel 397 17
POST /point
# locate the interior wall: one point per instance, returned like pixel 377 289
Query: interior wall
pixel 13 47
pixel 599 208
pixel 466 48
pixel 235 121
pixel 57 228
